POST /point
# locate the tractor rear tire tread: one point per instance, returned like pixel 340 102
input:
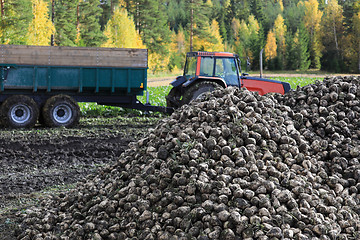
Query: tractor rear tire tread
pixel 198 89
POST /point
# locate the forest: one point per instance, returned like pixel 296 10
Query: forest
pixel 295 35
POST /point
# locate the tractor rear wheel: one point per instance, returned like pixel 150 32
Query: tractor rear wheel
pixel 19 111
pixel 198 90
pixel 61 110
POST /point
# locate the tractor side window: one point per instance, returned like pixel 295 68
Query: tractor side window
pixel 207 66
pixel 230 72
pixel 219 68
pixel 190 69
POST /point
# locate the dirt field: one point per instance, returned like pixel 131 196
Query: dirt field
pixel 39 161
pixel 162 81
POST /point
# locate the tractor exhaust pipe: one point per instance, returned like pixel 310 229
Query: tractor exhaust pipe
pixel 261 63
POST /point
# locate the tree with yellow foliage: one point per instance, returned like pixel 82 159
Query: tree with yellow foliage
pixel 120 31
pixel 178 47
pixel 247 37
pixel 15 18
pixel 333 35
pixel 235 27
pixel 213 42
pixel 280 33
pixel 41 28
pixel 312 20
pixel 270 48
pixel 332 22
pixel 218 46
pixel 281 4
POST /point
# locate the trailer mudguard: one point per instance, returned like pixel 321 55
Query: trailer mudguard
pixel 263 86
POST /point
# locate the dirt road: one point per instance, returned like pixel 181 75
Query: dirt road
pixel 161 81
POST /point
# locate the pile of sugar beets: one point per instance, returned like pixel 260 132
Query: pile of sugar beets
pixel 236 165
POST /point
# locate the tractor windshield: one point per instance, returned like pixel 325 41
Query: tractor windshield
pixel 222 67
pixel 190 67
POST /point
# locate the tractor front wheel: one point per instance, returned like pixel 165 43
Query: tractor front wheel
pixel 199 90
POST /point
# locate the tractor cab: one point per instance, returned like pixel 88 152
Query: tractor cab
pixel 222 68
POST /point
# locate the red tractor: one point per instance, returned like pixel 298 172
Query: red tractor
pixel 207 71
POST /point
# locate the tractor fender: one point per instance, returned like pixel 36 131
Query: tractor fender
pixel 178 81
pixel 195 80
pixel 183 82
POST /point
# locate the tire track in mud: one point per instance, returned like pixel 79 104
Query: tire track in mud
pixel 32 160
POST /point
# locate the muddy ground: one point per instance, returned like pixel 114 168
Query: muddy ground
pixel 41 161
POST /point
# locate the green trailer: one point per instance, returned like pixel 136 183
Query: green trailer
pixel 44 83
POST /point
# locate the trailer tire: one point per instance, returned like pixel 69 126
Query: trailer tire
pixel 19 111
pixel 198 90
pixel 61 111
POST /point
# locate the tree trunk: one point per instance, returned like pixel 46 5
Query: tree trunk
pixel 335 37
pixel 359 56
pixel 191 26
pixel 138 18
pixel 78 16
pixel 2 8
pixel 52 20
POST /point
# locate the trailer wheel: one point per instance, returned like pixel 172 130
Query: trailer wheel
pixel 199 90
pixel 19 111
pixel 61 110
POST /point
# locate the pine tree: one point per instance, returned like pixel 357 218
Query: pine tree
pixel 266 12
pixel 120 31
pixel 293 15
pixel 41 27
pixel 15 18
pixel 292 43
pixel 252 34
pixel 257 46
pixel 177 50
pixel 90 29
pixel 304 54
pixel 176 14
pixel 108 7
pixel 221 18
pixel 249 39
pixel 154 29
pixel 65 22
pixel 199 21
pixel 218 46
pixel 151 22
